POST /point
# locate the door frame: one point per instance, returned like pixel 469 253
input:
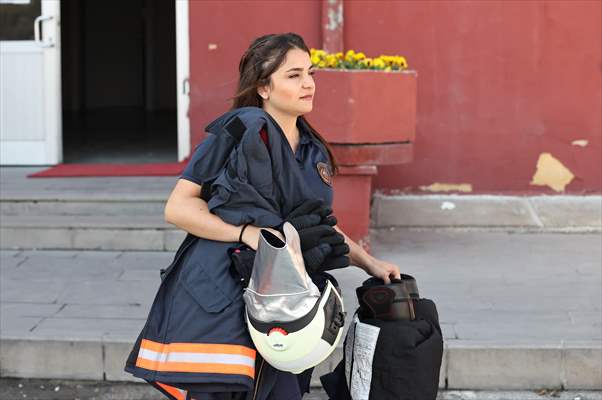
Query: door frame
pixel 53 81
pixel 182 78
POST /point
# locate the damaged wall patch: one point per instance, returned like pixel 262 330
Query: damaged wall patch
pixel 447 187
pixel 551 172
pixel 580 142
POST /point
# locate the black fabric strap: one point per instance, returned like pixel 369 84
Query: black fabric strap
pixel 236 128
pixel 241 231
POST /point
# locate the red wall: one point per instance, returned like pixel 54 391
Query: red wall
pixel 232 26
pixel 499 82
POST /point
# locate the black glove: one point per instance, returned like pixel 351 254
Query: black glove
pixel 311 213
pixel 241 267
pixel 338 256
pixel 322 246
pixel 315 235
pixel 324 257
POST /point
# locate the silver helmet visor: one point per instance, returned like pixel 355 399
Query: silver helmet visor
pixel 280 288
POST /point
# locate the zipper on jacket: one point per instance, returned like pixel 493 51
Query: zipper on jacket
pixel 257 380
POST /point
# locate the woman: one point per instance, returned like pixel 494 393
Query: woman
pixel 200 352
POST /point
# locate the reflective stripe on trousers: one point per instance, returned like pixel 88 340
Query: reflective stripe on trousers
pixel 196 357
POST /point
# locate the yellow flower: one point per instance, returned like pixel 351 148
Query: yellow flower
pixel 321 59
pixel 349 56
pixel 379 63
pixel 331 60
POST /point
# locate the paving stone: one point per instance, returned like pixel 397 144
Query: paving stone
pixel 87 311
pixel 10 259
pixel 32 291
pixel 105 292
pixel 144 260
pixel 18 326
pixel 115 239
pixel 86 328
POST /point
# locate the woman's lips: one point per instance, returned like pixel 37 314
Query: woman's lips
pixel 309 97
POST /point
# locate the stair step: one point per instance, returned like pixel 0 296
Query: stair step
pixel 77 207
pixel 89 232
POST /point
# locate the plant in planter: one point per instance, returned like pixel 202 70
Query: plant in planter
pixel 366 108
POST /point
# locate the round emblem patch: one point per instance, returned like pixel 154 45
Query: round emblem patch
pixel 325 173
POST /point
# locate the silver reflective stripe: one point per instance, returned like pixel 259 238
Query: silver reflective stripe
pixel 201 358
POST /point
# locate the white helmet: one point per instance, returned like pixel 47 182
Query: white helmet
pixel 293 326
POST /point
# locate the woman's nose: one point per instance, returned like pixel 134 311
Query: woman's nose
pixel 308 82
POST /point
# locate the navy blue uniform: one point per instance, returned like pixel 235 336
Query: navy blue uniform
pixel 309 153
pixel 195 343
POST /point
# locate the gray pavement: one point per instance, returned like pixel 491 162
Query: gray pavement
pixel 518 310
pixel 43 389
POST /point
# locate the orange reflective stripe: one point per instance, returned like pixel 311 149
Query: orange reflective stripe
pixel 196 357
pixel 197 348
pixel 196 367
pixel 179 394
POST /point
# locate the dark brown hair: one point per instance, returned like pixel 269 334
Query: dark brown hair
pixel 258 63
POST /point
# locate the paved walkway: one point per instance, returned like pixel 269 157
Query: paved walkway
pixel 518 310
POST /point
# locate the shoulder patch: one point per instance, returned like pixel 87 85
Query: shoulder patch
pixel 325 173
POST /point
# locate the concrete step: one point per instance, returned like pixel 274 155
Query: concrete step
pixel 544 213
pixel 98 206
pixel 137 224
pixel 89 232
pixel 472 364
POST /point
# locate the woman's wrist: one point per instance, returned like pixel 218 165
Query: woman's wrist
pixel 242 231
pixel 362 259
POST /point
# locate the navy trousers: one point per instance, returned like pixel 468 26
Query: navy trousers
pixel 286 387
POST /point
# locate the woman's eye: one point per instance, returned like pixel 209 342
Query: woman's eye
pixel 296 75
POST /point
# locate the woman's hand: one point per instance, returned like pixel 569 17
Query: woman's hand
pixel 383 270
pixel 250 236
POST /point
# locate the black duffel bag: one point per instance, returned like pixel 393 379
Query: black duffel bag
pixel 396 342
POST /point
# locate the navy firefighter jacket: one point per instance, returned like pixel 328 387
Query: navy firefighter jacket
pixel 195 338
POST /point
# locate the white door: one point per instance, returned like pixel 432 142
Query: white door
pixel 183 71
pixel 30 83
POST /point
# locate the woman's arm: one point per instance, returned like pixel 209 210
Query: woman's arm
pixel 186 210
pixel 373 266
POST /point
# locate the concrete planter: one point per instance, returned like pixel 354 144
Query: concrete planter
pixel 365 106
pixel 369 118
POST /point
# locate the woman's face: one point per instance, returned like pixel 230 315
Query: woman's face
pixel 289 84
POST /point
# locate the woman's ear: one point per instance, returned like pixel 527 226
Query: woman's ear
pixel 263 92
